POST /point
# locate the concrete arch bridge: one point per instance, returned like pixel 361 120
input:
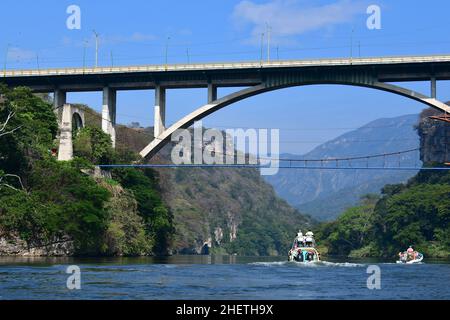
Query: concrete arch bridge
pixel 256 78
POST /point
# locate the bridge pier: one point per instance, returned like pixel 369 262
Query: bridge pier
pixel 160 111
pixel 212 92
pixel 433 87
pixel 70 117
pixel 109 113
pixel 59 99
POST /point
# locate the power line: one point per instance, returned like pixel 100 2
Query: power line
pixel 250 166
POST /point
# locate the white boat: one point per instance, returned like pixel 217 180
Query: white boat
pixel 411 258
pixel 304 254
pixel 303 249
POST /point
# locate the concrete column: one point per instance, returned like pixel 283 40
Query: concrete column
pixel 109 113
pixel 59 99
pixel 433 87
pixel 212 92
pixel 65 151
pixel 160 110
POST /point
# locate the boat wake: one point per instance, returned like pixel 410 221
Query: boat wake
pixel 313 264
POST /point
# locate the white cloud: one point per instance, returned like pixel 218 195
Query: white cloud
pixel 19 54
pixel 289 18
pixel 136 37
pixel 141 37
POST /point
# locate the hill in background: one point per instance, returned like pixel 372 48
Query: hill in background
pixel 324 194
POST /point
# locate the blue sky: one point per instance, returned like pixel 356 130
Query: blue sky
pixel 131 32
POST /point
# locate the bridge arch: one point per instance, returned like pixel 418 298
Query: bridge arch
pixel 72 119
pixel 277 84
pixel 77 122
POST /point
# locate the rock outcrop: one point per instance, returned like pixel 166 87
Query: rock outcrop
pixel 15 246
pixel 434 138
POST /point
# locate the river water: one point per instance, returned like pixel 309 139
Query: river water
pixel 219 277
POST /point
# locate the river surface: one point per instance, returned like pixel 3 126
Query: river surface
pixel 219 277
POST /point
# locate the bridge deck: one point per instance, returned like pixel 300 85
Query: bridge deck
pixel 231 74
pixel 228 66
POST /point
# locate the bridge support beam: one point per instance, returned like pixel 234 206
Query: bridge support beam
pixel 59 99
pixel 109 113
pixel 212 92
pixel 160 111
pixel 433 87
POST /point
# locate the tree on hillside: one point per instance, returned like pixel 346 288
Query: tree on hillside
pixel 28 128
pixel 4 131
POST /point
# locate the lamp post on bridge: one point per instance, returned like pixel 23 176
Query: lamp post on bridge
pixel 96 48
pixel 167 49
pixel 6 59
pixel 85 42
pixel 261 55
pixel 269 29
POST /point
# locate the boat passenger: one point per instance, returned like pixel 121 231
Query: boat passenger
pixel 305 255
pixel 300 256
pixel 410 253
pixel 300 238
pixel 310 242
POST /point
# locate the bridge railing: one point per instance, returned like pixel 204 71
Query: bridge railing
pixel 225 65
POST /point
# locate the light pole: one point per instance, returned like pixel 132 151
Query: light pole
pixel 269 29
pixel 351 46
pixel 167 49
pixel 6 59
pixel 96 48
pixel 85 42
pixel 261 54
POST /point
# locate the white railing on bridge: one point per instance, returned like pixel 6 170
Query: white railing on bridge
pixel 228 65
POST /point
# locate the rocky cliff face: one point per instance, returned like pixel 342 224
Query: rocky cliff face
pixel 220 209
pixel 434 138
pixel 14 245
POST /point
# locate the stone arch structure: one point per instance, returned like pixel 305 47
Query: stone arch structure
pixel 72 119
pixel 77 121
pixel 285 80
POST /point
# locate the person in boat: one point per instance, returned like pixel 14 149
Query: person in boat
pixel 305 255
pixel 402 256
pixel 410 253
pixel 310 256
pixel 299 240
pixel 309 239
pixel 300 256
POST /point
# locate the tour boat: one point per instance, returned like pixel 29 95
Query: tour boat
pixel 304 254
pixel 415 257
pixel 303 249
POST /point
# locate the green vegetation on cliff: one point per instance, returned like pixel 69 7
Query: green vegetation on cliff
pixel 232 210
pixel 417 213
pixel 44 201
pixel 126 211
